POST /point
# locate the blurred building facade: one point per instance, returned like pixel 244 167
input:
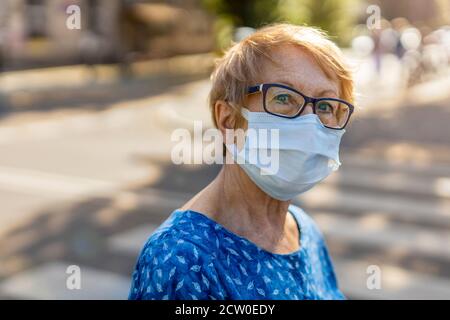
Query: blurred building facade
pixel 33 33
pixel 161 28
pixel 432 13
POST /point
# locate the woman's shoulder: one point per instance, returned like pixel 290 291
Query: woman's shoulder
pixel 180 230
pixel 306 223
pixel 178 234
pixel 301 215
pixel 172 260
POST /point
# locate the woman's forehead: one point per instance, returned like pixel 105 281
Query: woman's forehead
pixel 298 69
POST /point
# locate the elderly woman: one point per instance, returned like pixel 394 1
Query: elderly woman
pixel 240 238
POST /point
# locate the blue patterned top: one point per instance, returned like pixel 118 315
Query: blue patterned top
pixel 190 256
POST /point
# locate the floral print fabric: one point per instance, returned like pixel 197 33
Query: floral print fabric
pixel 191 257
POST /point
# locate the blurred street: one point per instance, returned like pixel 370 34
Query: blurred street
pixel 86 175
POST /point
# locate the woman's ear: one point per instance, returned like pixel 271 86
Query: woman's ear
pixel 224 115
pixel 227 118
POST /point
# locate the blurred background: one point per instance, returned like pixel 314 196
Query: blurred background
pixel 86 117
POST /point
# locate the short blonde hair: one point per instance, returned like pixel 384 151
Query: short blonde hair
pixel 239 67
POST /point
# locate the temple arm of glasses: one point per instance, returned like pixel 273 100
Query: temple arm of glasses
pixel 254 89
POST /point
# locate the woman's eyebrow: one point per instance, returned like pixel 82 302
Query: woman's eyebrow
pixel 287 83
pixel 325 92
pixel 321 93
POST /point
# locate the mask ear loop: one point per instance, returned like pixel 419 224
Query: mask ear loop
pixel 245 113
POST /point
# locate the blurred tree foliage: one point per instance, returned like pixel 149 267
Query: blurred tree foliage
pixel 337 17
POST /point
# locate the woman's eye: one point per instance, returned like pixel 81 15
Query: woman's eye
pixel 324 107
pixel 282 98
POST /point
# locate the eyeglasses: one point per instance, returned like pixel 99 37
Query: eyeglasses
pixel 286 102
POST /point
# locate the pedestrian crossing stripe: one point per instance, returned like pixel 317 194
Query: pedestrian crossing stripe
pixel 49 282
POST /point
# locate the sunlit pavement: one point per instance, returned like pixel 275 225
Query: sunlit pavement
pixel 87 187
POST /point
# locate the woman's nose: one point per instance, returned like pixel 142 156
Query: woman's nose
pixel 307 109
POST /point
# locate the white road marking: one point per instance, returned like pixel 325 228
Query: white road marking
pixel 38 182
pixel 392 181
pixel 373 230
pixel 330 198
pixel 133 240
pixel 380 164
pixel 48 282
pixel 396 283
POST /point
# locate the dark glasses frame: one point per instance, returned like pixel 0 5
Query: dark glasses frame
pixel 263 87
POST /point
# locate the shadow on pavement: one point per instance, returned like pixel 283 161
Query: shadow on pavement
pixel 78 233
pixel 91 97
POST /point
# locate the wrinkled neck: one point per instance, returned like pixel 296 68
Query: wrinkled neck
pixel 245 201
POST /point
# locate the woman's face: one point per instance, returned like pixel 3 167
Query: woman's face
pixel 298 70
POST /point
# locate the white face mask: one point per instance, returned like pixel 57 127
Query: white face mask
pixel 307 153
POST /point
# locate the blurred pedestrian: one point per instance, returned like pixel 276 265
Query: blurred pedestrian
pixel 1 51
pixel 2 66
pixel 90 48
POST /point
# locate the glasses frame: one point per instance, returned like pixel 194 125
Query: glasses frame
pixel 263 87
